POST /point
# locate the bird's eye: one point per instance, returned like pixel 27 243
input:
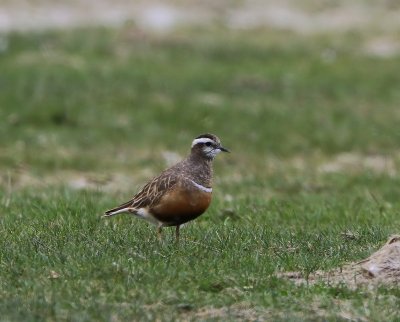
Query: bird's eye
pixel 208 143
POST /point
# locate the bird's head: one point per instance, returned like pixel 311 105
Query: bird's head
pixel 207 145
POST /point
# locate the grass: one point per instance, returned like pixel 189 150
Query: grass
pixel 100 103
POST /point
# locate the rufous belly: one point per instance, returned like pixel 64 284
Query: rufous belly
pixel 180 206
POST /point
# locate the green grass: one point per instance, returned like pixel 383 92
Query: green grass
pixel 97 103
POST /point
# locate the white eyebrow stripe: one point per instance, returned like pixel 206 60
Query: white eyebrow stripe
pixel 202 188
pixel 201 140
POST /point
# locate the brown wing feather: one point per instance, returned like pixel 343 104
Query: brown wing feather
pixel 150 194
pixel 153 191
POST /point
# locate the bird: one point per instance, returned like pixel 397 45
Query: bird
pixel 180 193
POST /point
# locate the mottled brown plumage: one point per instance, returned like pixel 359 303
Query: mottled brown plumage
pixel 180 193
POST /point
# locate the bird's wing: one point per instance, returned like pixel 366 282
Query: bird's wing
pixel 150 194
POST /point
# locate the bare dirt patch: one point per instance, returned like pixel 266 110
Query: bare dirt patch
pixel 351 162
pixel 381 268
pixel 118 180
pixel 241 311
pixel 299 16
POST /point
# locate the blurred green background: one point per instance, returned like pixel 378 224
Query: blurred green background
pixel 97 98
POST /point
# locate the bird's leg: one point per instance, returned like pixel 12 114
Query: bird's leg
pixel 177 233
pixel 159 228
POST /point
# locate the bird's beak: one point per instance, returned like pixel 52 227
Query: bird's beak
pixel 224 149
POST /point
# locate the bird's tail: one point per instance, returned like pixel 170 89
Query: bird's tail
pixel 125 207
